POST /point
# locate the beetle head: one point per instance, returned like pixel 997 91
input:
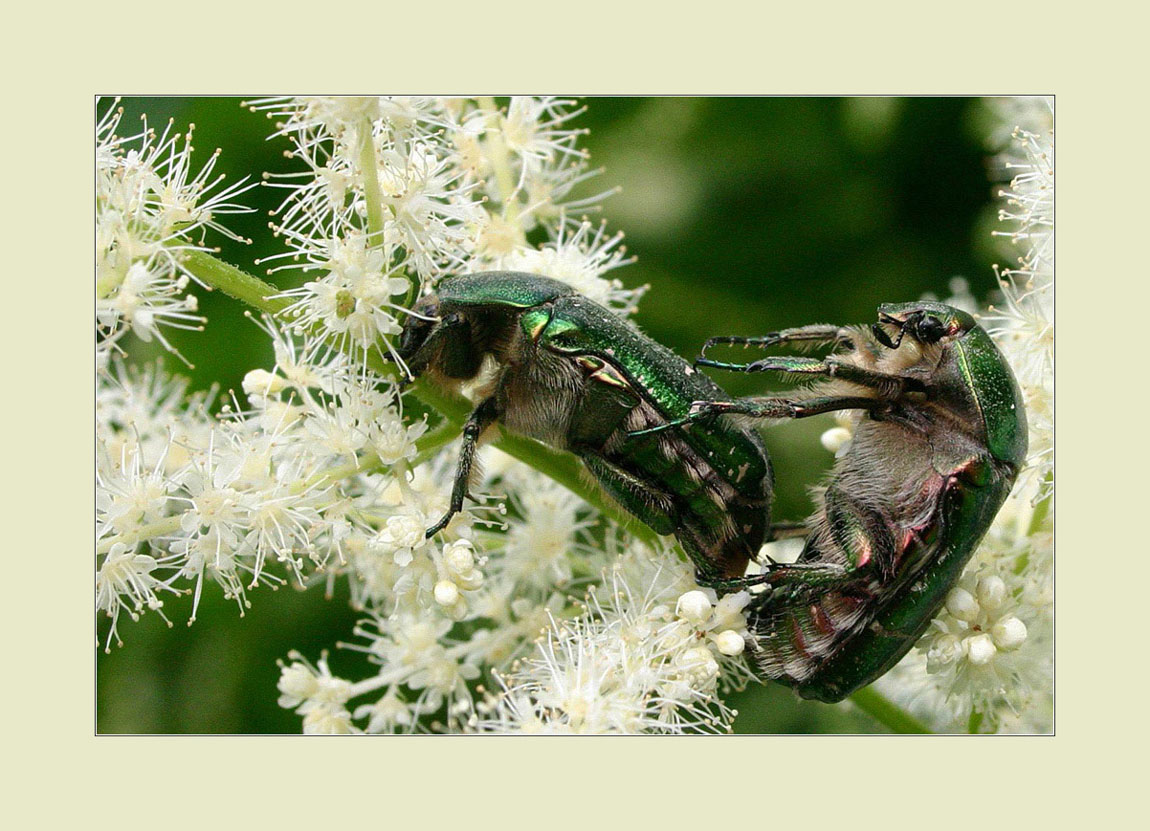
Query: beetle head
pixel 924 321
pixel 420 323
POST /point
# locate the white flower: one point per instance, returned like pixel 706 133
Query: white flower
pixel 401 536
pixel 328 721
pixel 317 695
pixel 986 653
pixel 297 683
pixel 629 663
pixel 730 642
pixel 1023 325
pixel 544 542
pixel 693 607
pixel 459 563
pixel 387 714
pixel 579 259
pixel 126 581
pixel 149 205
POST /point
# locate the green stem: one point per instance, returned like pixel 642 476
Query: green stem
pixel 878 707
pixel 1039 516
pixel 562 467
pixel 234 282
pixel 366 464
pixel 372 195
pixel 974 722
pixel 159 528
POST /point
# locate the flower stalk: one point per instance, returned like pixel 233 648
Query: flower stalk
pixel 886 713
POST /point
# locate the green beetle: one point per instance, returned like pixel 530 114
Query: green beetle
pixel 550 364
pixel 937 448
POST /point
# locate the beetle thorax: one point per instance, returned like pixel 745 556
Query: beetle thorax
pixel 538 392
pixel 485 381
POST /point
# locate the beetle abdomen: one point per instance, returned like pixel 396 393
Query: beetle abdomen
pixel 722 521
pixel 847 638
pixel 790 644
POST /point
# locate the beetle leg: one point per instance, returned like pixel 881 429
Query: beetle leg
pixel 768 408
pixel 633 493
pixel 864 542
pixel 819 333
pixel 887 384
pixel 782 531
pixel 860 533
pixel 788 577
pixel 449 346
pixel 482 418
pixel 606 401
pixel 778 364
pixel 783 407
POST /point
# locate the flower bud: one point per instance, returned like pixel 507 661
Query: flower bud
pixel 730 642
pixel 944 650
pixel 962 605
pixel 446 593
pixel 1009 633
pixel 693 607
pixel 991 592
pixel 459 557
pixel 262 382
pixel 980 649
pixel 470 581
pixel 698 665
pixel 297 683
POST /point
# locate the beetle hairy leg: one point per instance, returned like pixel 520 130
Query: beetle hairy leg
pixel 803 335
pixel 786 578
pixel 482 418
pixel 784 407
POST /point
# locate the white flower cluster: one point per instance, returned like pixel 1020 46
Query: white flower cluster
pixel 401 191
pixel 1023 324
pixel 279 489
pixel 318 476
pixel 987 663
pixel 149 208
pixel 651 656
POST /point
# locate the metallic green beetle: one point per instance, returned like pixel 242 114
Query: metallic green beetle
pixel 941 438
pixel 552 365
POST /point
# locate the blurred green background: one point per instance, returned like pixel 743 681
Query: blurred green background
pixel 746 215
